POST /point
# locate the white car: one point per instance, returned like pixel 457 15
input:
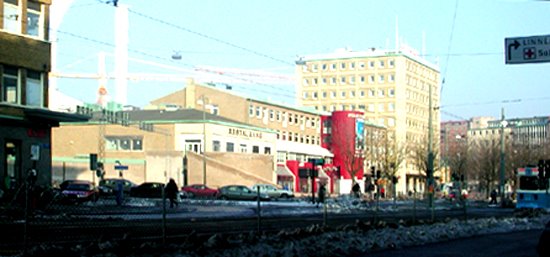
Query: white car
pixel 273 191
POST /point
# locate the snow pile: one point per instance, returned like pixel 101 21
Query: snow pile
pixel 360 238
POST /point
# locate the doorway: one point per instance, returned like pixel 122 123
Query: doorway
pixel 12 164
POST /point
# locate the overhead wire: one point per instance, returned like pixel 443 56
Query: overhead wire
pixel 449 48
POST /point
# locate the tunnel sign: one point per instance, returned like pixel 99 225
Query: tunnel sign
pixel 527 49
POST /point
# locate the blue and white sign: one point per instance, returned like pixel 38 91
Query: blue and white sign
pixel 527 49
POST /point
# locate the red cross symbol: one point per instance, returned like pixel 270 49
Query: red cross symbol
pixel 529 53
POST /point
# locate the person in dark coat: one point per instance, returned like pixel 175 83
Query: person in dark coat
pixel 493 197
pixel 356 189
pixel 321 194
pixel 171 191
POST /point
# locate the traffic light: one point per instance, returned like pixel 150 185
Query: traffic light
pixel 378 174
pixel 394 180
pixel 93 161
pixel 372 170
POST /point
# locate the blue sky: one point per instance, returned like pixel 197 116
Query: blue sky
pixel 466 38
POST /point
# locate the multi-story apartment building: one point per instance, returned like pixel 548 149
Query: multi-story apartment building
pixel 25 121
pixel 393 89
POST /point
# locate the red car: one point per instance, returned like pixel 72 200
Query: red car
pixel 199 190
pixel 80 191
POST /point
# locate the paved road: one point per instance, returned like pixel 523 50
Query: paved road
pixel 516 244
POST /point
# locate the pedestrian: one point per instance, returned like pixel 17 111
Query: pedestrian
pixel 119 192
pixel 321 194
pixel 493 197
pixel 356 189
pixel 171 192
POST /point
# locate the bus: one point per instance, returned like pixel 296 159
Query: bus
pixel 532 192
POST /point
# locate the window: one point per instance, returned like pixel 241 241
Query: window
pixel 137 144
pixel 324 66
pixel 230 147
pixel 362 93
pixel 193 145
pixel 333 80
pixel 251 110
pixel 306 82
pixel 381 63
pixel 352 94
pixel 34 88
pixel 278 115
pixel 255 149
pixel 381 78
pixel 216 146
pixel 271 114
pixel 362 65
pixel 391 107
pixel 9 85
pixel 371 64
pixel 352 66
pixel 333 94
pixel 11 16
pixel 371 79
pixel 324 94
pixel 352 79
pixel 343 94
pixel 371 92
pixel 33 19
pixel 315 81
pixel 258 111
pixel 362 79
pixel 391 78
pixel 314 95
pixel 305 95
pixel 343 80
pixel 324 81
pixel 342 65
pixel 361 107
pixel 391 63
pixel 391 92
pixel 267 150
pixel 381 92
pixel 381 107
pixel 333 66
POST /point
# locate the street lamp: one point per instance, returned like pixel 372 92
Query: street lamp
pixel 202 101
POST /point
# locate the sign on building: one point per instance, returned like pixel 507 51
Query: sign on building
pixel 527 49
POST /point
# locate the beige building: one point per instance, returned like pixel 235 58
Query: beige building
pixel 161 144
pixel 392 88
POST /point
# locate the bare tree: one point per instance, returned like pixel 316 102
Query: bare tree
pixel 486 163
pixel 419 155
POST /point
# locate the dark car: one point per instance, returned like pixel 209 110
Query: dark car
pixel 238 192
pixel 148 190
pixel 80 191
pixel 108 186
pixel 67 182
pixel 199 190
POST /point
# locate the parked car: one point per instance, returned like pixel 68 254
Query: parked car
pixel 67 182
pixel 108 186
pixel 273 191
pixel 80 191
pixel 238 192
pixel 199 190
pixel 148 190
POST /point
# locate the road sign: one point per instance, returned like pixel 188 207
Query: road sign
pixel 121 167
pixel 527 49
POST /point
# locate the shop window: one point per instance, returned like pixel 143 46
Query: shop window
pixel 255 149
pixel 267 150
pixel 243 148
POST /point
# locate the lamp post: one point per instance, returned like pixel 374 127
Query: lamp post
pixel 503 124
pixel 203 101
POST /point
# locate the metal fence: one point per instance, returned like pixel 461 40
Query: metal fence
pixel 41 220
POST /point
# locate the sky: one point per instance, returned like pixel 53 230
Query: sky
pixel 465 38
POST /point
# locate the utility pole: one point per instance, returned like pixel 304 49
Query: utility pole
pixel 430 170
pixel 502 159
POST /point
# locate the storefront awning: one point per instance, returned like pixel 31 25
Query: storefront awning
pixel 283 171
pixel 308 149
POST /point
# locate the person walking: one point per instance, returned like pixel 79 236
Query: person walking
pixel 493 197
pixel 356 189
pixel 321 194
pixel 171 192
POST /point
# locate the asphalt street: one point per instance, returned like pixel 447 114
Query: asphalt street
pixel 515 244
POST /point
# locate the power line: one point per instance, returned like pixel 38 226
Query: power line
pixel 203 35
pixel 449 48
pixel 505 101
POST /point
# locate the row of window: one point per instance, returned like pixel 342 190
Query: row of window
pixel 348 65
pixel 13 81
pixel 371 107
pixel 282 116
pixel 14 22
pixel 351 80
pixel 124 143
pixel 296 137
pixel 421 70
pixel 349 94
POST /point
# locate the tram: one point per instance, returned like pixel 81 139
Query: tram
pixel 532 192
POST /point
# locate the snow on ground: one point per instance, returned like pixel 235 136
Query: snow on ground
pixel 354 241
